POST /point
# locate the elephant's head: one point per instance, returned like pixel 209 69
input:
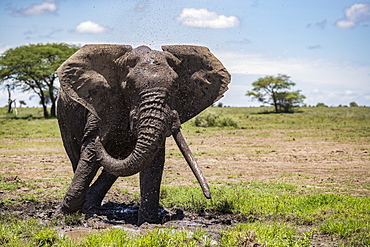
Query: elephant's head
pixel 155 90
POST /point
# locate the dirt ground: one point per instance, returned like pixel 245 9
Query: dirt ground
pixel 229 156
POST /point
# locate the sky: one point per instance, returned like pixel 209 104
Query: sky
pixel 324 46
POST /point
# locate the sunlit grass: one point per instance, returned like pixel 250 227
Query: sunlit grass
pixel 267 234
pixel 327 123
pixel 16 232
pixel 13 183
pixel 28 128
pixel 272 205
pixel 274 215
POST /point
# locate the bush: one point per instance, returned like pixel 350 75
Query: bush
pixel 214 120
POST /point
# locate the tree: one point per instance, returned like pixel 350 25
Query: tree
pixel 353 104
pixel 276 91
pixel 33 68
pixel 10 88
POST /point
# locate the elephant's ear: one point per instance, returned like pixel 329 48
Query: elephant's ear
pixel 202 79
pixel 90 75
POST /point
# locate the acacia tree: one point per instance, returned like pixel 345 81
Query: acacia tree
pixel 33 68
pixel 276 91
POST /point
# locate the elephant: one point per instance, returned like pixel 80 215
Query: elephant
pixel 116 106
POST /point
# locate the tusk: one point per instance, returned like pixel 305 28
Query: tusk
pixel 190 159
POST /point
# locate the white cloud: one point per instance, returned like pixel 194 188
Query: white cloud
pixel 206 19
pixel 45 8
pixel 354 15
pixel 348 92
pixel 318 72
pixel 90 27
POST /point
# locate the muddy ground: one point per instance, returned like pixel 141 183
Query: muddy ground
pixel 44 171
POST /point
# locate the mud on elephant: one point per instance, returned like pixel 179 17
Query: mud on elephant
pixel 116 107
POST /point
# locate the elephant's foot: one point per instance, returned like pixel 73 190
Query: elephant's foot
pixel 98 190
pixel 149 216
pixel 93 200
pixel 75 197
pixel 72 204
pixel 91 205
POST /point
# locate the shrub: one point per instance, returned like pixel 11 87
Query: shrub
pixel 214 120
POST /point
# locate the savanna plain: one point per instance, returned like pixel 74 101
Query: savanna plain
pixel 300 179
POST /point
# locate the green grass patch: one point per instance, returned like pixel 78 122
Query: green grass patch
pixel 23 113
pixel 12 183
pixel 229 198
pixel 28 128
pixel 341 124
pixel 157 237
pixel 268 234
pixel 17 232
pixel 29 123
pixel 344 216
pixel 328 123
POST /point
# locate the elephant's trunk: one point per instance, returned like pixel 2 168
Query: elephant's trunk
pixel 151 124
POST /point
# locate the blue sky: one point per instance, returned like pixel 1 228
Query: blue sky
pixel 322 45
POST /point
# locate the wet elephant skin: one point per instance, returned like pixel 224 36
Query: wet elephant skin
pixel 117 105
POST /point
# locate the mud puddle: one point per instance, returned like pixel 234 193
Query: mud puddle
pixel 121 216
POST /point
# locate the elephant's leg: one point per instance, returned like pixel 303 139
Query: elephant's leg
pixel 150 183
pixel 98 190
pixel 87 167
pixel 72 121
